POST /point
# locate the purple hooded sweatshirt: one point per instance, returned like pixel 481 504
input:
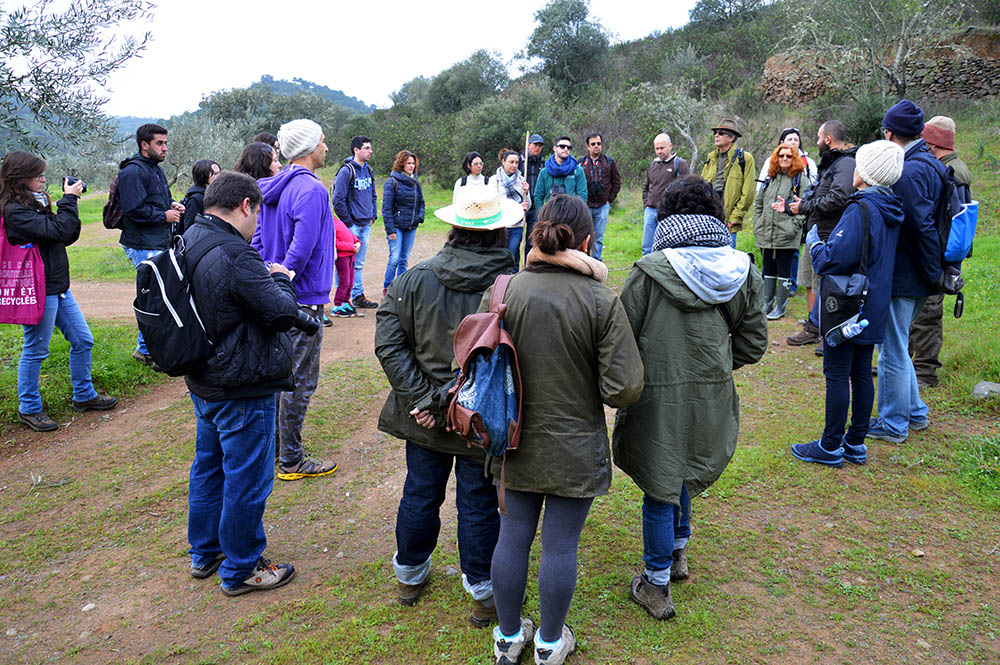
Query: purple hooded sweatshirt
pixel 295 228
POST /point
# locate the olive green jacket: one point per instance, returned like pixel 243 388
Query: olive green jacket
pixel 576 354
pixel 778 230
pixel 685 425
pixel 414 328
pixel 962 173
pixel 741 184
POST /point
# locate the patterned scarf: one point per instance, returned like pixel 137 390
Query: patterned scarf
pixel 690 231
pixel 511 184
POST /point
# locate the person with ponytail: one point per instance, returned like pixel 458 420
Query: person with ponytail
pixel 27 217
pixel 576 353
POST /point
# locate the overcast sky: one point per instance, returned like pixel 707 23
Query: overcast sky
pixel 366 49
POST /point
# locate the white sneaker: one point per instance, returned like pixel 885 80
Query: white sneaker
pixel 556 655
pixel 508 652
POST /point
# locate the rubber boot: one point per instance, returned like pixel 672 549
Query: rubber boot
pixel 770 285
pixel 780 302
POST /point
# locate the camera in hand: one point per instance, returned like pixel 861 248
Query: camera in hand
pixel 70 180
pixel 307 324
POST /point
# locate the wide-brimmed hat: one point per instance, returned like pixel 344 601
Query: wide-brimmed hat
pixel 481 208
pixel 731 123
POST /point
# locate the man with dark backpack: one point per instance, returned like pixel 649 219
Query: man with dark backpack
pixel 355 201
pixel 247 309
pixel 147 210
pixel 665 168
pixel 414 328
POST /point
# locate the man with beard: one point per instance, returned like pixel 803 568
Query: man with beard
pixel 824 206
pixel 147 209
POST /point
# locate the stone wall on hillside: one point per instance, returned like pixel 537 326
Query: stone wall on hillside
pixel 965 66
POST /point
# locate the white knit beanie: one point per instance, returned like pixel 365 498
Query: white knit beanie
pixel 298 138
pixel 879 163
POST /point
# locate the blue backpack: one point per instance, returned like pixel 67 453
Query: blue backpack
pixel 956 215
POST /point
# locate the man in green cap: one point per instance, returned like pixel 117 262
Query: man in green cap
pixel 731 172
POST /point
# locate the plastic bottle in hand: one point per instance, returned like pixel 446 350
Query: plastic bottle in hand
pixel 845 330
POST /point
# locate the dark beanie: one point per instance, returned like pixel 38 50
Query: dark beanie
pixel 904 118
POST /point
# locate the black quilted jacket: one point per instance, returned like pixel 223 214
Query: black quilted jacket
pixel 246 313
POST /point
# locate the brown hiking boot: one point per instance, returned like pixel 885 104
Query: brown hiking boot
pixel 40 421
pixel 808 335
pixel 654 598
pixel 483 613
pixel 99 403
pixel 679 567
pixel 409 594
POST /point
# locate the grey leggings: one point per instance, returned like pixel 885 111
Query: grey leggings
pixel 564 519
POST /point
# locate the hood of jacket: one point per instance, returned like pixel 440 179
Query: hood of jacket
pixel 886 200
pixel 195 189
pixel 468 270
pixel 272 186
pixel 560 170
pixel 830 156
pixel 410 180
pixel 696 278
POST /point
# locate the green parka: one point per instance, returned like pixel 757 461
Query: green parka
pixel 414 328
pixel 778 230
pixel 741 184
pixel 684 427
pixel 576 354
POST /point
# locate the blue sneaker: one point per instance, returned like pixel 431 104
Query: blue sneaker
pixel 813 452
pixel 919 425
pixel 878 430
pixel 855 454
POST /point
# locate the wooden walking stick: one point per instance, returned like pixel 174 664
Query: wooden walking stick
pixel 527 135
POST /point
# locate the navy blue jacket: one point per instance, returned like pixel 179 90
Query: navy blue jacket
pixel 402 203
pixel 918 256
pixel 841 253
pixel 357 203
pixel 145 199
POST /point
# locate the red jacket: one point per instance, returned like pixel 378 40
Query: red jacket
pixel 345 239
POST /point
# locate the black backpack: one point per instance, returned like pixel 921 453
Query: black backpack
pixel 165 309
pixel 465 179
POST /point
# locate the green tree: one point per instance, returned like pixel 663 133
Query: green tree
pixel 571 48
pixel 195 136
pixel 465 83
pixel 51 60
pixel 258 108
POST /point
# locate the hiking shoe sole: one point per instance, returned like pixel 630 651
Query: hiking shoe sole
pixel 296 475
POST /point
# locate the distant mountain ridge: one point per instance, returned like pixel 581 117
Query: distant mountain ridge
pixel 297 85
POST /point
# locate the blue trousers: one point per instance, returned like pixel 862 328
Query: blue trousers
pixel 399 254
pixel 231 478
pixel 599 215
pixel 665 528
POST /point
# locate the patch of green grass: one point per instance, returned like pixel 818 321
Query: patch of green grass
pixel 979 466
pixel 99 264
pixel 113 369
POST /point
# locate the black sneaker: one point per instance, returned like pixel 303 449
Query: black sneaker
pixel 363 302
pixel 40 421
pixel 201 572
pixel 99 403
pixel 265 576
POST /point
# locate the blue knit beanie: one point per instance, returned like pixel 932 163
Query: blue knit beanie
pixel 904 118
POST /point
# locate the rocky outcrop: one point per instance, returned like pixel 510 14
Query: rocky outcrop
pixel 966 65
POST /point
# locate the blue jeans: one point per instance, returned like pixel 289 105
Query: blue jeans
pixel 61 311
pixel 848 370
pixel 665 528
pixel 514 236
pixel 600 217
pixel 231 478
pixel 362 232
pixel 899 400
pixel 399 254
pixel 649 222
pixel 137 256
pixel 732 239
pixel 418 521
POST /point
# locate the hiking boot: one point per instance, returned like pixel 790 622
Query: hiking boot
pixel 99 403
pixel 363 303
pixel 878 430
pixel 545 655
pixel 818 351
pixel 855 454
pixel 814 452
pixel 409 594
pixel 808 335
pixel 266 575
pixel 306 468
pixel 508 652
pixel 201 572
pixel 483 613
pixel 679 567
pixel 654 598
pixel 40 421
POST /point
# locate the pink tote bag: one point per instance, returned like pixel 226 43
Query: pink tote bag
pixel 22 282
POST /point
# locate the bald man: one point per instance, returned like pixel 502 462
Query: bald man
pixel 663 170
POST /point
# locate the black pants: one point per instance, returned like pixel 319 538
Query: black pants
pixel 778 262
pixel 848 371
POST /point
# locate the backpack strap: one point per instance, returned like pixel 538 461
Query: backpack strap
pixel 865 231
pixel 194 257
pixel 499 292
pixel 465 179
pixel 743 161
pixel 797 184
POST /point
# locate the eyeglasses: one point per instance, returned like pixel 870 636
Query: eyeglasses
pixel 564 146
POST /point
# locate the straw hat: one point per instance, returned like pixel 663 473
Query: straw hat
pixel 481 208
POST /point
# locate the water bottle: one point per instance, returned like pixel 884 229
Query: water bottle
pixel 846 330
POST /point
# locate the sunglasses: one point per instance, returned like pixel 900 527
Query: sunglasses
pixel 722 132
pixel 565 146
pixel 783 156
pixel 595 143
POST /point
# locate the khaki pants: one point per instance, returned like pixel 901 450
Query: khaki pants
pixel 806 276
pixel 926 338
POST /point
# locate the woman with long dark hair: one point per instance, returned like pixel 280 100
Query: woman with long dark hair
pixel 202 174
pixel 576 354
pixel 28 218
